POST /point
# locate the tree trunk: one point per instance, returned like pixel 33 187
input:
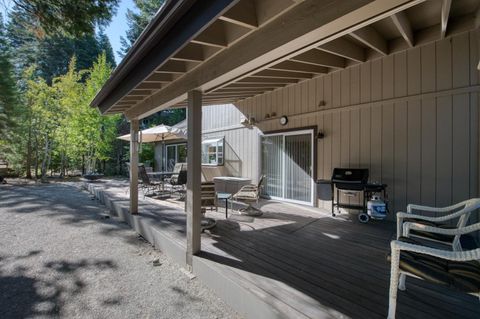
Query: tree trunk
pixel 45 158
pixel 83 164
pixel 36 156
pixel 29 153
pixel 62 165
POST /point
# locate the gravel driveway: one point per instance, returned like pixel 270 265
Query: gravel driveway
pixel 61 257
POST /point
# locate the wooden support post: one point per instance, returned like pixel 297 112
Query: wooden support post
pixel 134 166
pixel 194 178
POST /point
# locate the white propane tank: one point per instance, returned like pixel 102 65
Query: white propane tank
pixel 376 208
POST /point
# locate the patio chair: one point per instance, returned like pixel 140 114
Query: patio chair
pixel 127 191
pixel 178 179
pixel 456 269
pixel 147 185
pixel 460 211
pixel 250 194
pixel 208 197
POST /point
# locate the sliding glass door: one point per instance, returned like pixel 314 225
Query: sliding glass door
pixel 287 162
pixel 175 153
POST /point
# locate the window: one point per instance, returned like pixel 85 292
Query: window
pixel 212 151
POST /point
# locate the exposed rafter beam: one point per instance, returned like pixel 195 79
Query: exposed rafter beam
pixel 159 78
pixel 191 52
pixel 283 74
pixel 371 38
pixel 250 85
pixel 321 58
pixel 140 92
pixel 173 67
pixel 345 48
pixel 239 96
pixel 132 98
pixel 149 86
pixel 245 91
pixel 400 20
pixel 446 4
pixel 214 35
pixel 299 67
pixel 243 14
pixel 321 23
pixel 267 80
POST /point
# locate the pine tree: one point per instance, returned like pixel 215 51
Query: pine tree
pixel 51 54
pixel 67 16
pixel 7 86
pixel 138 21
pixel 105 46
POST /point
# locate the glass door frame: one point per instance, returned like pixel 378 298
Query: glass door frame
pixel 313 149
pixel 175 146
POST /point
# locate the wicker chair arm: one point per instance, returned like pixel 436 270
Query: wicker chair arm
pixel 402 215
pixel 436 230
pixel 446 209
pixel 465 255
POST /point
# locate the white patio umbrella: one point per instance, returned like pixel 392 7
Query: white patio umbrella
pixel 160 133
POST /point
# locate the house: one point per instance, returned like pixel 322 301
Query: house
pixel 295 88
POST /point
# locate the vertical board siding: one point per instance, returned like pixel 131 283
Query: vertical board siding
pixel 424 147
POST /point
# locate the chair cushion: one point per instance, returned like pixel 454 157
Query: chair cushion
pixel 246 195
pixel 461 275
pixel 439 237
pixel 466 241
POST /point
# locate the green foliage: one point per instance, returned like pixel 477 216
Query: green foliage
pixel 76 18
pixel 168 117
pixel 46 122
pixel 137 21
pixel 8 94
pixel 58 128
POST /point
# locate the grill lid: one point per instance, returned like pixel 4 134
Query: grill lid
pixel 350 175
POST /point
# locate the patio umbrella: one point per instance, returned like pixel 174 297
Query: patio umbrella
pixel 160 133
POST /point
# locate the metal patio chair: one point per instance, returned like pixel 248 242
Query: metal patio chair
pixel 250 194
pixel 178 179
pixel 147 185
pixel 448 267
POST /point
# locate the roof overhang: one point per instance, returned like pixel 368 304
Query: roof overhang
pixel 233 50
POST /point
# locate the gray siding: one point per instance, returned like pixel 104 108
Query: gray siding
pixel 411 118
pixel 242 151
pixel 223 116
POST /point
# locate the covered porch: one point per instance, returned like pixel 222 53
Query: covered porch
pixel 293 262
pixel 392 85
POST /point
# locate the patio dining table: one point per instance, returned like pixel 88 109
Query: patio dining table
pixel 160 177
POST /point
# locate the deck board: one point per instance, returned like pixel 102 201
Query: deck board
pixel 315 264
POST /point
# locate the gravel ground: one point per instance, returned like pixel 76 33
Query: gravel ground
pixel 61 257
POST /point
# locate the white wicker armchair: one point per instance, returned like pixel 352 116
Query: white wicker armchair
pixel 458 269
pixel 461 211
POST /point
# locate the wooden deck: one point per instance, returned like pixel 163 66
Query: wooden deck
pixel 304 263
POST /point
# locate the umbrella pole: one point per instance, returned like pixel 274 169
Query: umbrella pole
pixel 164 160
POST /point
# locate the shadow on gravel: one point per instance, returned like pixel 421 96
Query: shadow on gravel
pixel 74 207
pixel 23 295
pixel 67 204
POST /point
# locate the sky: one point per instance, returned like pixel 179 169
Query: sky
pixel 118 26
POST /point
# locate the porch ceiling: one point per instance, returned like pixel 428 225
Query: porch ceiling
pixel 254 46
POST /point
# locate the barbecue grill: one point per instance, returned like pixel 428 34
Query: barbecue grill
pixel 352 182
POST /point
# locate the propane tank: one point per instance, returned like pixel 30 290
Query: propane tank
pixel 376 208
